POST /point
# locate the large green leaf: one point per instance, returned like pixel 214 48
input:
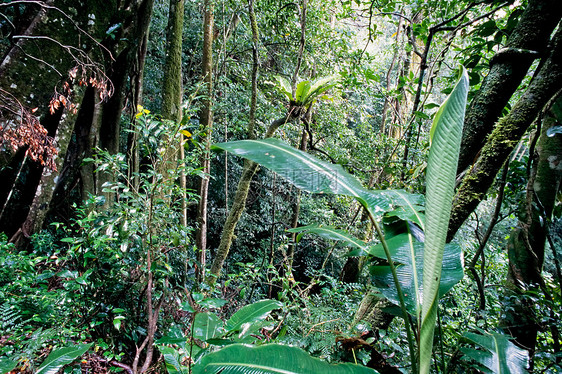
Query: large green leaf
pixel 441 171
pixel 331 233
pixel 318 88
pixel 301 93
pixel 60 357
pixel 207 326
pixel 300 168
pixel 500 355
pixel 404 205
pixel 270 359
pixel 252 313
pixel 407 252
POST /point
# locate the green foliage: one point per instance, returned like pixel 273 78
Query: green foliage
pixel 61 357
pixel 496 353
pixel 446 134
pixel 266 359
pixel 207 327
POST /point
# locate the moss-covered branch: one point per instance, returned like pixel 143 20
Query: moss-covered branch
pixel 527 41
pixel 506 135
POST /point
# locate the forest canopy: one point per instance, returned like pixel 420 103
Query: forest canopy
pixel 258 186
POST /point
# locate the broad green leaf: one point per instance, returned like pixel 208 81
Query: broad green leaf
pixel 270 359
pixel 300 168
pixel 331 233
pixel 401 204
pixel 212 303
pixel 407 254
pixel 7 365
pixel 446 134
pixel 173 360
pixel 500 356
pixel 251 313
pixel 207 326
pixel 60 357
pixel 316 176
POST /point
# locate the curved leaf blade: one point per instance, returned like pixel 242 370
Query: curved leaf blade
pixel 300 168
pixel 60 357
pixel 270 359
pixel 441 170
pixel 408 254
pixel 252 313
pixel 207 326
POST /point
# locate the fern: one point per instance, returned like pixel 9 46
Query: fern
pixel 10 319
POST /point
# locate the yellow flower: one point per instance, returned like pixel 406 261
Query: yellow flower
pixel 186 133
pixel 141 111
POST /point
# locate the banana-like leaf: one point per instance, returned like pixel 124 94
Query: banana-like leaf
pixel 300 168
pixel 252 313
pixel 398 203
pixel 207 326
pixel 60 357
pixel 316 176
pixel 331 233
pixel 270 359
pixel 441 171
pixel 500 355
pixel 407 253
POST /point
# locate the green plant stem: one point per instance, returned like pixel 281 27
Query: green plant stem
pixel 409 335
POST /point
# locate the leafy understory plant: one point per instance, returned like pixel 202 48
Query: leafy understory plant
pixel 420 265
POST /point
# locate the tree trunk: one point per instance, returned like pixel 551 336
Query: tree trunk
pixel 172 95
pixel 40 205
pixel 527 241
pixel 527 42
pixel 507 133
pixel 207 125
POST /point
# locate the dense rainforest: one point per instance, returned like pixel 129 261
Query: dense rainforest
pixel 269 186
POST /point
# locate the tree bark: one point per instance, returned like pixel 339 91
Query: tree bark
pixel 207 125
pixel 527 241
pixel 508 67
pixel 507 133
pixel 172 94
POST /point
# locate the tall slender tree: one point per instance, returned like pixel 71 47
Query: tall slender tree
pixel 206 121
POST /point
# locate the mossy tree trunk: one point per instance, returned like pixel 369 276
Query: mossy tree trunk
pixel 527 242
pixel 172 94
pixel 507 133
pixel 527 42
pixel 206 121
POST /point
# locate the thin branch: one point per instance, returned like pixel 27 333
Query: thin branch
pixel 45 5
